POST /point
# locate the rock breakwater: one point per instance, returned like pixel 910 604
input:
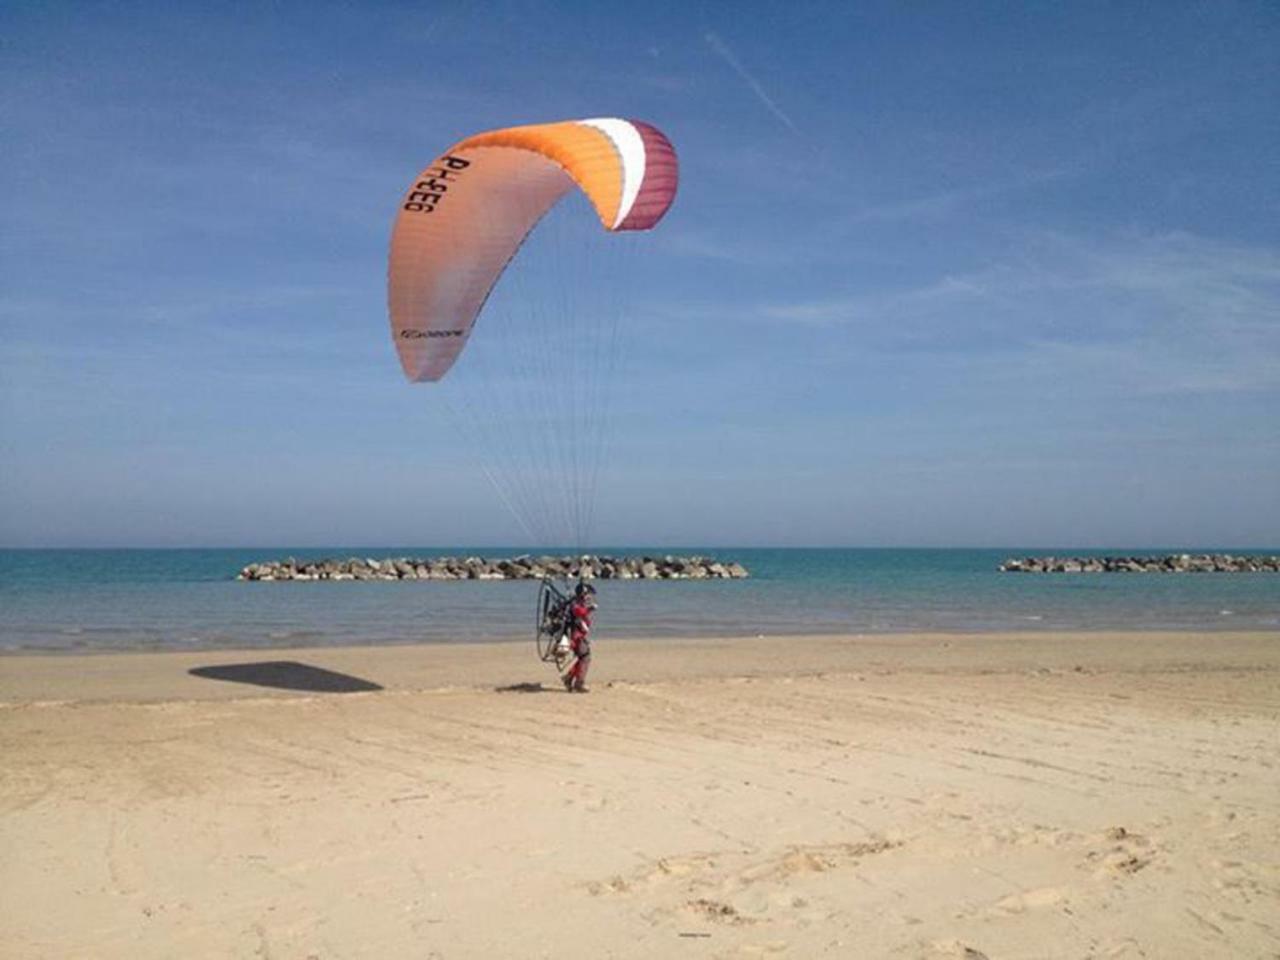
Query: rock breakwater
pixel 1172 563
pixel 512 568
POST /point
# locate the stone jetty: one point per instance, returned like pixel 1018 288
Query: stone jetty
pixel 1172 563
pixel 512 568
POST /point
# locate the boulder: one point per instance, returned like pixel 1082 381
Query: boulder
pixel 585 566
pixel 1172 563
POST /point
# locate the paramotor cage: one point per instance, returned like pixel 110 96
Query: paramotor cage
pixel 552 629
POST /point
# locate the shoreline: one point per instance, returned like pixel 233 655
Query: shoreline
pixel 624 635
pixel 486 665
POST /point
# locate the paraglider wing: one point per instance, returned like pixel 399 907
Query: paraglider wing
pixel 466 214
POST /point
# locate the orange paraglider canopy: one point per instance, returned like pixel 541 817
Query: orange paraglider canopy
pixel 466 214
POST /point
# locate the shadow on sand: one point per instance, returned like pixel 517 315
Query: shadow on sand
pixel 286 675
pixel 522 688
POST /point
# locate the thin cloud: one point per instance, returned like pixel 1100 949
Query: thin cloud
pixel 727 55
pixel 947 202
pixel 748 252
pixel 1133 315
pixel 1178 273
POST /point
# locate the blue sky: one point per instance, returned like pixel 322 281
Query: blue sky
pixel 952 274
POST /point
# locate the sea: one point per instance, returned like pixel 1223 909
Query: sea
pixel 80 601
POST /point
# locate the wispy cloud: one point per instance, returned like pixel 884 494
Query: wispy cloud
pixel 724 53
pixel 1085 141
pixel 1134 314
pixel 1186 273
pixel 740 250
pixel 943 203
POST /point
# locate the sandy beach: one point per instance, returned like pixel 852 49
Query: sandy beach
pixel 999 796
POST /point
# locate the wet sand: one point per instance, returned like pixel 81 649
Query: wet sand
pixel 1039 795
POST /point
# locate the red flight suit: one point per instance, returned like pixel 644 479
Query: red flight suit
pixel 579 631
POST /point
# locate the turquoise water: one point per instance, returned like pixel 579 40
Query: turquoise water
pixel 85 600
